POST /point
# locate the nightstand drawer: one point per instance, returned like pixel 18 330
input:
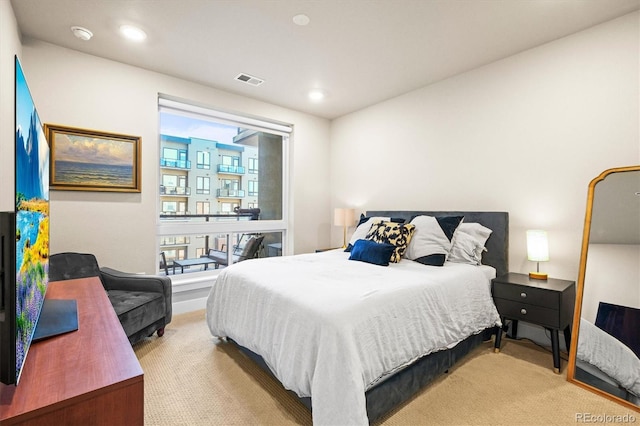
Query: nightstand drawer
pixel 530 313
pixel 526 294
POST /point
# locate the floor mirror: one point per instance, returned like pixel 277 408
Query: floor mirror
pixel 605 350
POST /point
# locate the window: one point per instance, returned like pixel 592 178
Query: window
pixel 174 185
pixel 202 185
pixel 203 160
pixel 173 157
pixel 174 207
pixel 228 139
pixel 202 207
pixel 253 188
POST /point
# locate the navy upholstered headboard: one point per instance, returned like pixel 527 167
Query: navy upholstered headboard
pixel 497 254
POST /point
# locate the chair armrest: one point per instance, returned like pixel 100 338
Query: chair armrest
pixel 113 279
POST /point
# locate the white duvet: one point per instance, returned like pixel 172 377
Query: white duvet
pixel 610 355
pixel 331 328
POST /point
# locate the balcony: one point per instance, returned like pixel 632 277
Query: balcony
pixel 237 170
pixel 175 164
pixel 230 193
pixel 174 190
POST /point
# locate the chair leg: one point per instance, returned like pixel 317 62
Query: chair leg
pixel 161 332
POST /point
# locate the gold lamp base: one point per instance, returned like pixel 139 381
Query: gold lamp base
pixel 537 276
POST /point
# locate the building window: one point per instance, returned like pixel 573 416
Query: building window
pixel 176 158
pixel 202 207
pixel 253 165
pixel 231 139
pixel 253 188
pixel 174 207
pixel 203 185
pixel 227 208
pixel 203 160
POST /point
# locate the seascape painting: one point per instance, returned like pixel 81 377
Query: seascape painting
pixel 89 160
pixel 32 217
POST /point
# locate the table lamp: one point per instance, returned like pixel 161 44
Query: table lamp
pixel 343 217
pixel 537 251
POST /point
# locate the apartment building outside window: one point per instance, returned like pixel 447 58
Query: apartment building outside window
pixel 203 160
pixel 225 151
pixel 253 165
pixel 203 185
pixel 253 188
pixel 202 207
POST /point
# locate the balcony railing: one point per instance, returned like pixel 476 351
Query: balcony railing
pixel 230 193
pixel 174 190
pixel 223 168
pixel 176 164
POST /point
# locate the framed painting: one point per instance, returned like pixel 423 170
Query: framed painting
pixel 90 160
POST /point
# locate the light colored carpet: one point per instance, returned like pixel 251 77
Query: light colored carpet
pixel 192 378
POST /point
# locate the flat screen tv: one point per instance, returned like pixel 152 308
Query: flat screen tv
pixel 24 238
pixel 621 322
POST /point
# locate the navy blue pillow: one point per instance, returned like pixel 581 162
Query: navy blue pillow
pixel 372 252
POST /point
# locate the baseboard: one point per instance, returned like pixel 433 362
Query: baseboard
pixel 189 305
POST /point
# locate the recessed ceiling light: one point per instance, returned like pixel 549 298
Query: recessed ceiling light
pixel 316 95
pixel 132 33
pixel 82 33
pixel 301 19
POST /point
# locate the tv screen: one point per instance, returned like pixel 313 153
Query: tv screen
pixel 25 286
pixel 621 322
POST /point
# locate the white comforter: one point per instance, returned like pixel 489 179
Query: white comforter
pixel 610 355
pixel 331 328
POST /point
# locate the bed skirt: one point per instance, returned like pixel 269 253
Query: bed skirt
pixel 403 385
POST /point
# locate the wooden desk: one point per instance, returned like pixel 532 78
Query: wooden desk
pixel 87 377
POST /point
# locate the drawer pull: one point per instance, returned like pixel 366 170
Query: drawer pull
pixel 523 311
pixel 523 295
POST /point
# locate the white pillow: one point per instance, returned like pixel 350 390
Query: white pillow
pixel 432 239
pixel 468 243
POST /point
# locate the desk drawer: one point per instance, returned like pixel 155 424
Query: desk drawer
pixel 526 294
pixel 530 313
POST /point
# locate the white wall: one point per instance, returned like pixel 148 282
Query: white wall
pixel 524 135
pixel 79 90
pixel 9 47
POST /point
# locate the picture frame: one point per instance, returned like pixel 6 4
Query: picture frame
pixel 92 160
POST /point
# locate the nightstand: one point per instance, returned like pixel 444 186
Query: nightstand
pixel 547 303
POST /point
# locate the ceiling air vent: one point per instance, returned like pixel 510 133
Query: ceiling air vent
pixel 249 79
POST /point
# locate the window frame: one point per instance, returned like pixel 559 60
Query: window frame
pixel 189 229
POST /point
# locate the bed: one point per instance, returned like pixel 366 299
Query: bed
pixel 353 339
pixel 605 362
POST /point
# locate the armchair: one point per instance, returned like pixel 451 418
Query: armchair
pixel 142 302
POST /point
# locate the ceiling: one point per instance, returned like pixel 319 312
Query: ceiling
pixel 359 52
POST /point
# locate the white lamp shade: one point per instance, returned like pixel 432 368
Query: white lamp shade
pixel 343 217
pixel 537 246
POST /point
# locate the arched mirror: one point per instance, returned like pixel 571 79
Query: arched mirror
pixel 605 350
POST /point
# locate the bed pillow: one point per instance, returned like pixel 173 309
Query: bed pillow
pixel 364 224
pixel 372 252
pixel 432 240
pixel 468 243
pixel 397 234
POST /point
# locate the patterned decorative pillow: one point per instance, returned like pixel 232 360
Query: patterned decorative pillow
pixel 364 224
pixel 432 241
pixel 397 234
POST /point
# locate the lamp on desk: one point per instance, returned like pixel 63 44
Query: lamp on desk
pixel 537 251
pixel 343 217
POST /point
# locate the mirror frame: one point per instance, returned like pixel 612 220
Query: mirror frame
pixel 571 369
